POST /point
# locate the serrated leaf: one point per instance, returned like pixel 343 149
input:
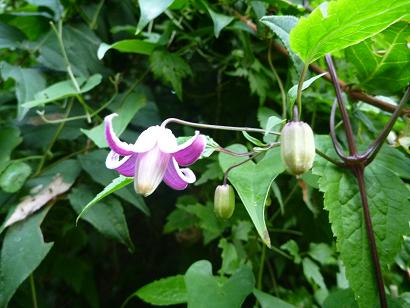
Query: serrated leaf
pixel 108 217
pixel 389 207
pixel 62 90
pixel 22 252
pixel 164 292
pixel 343 23
pixel 230 293
pixel 383 61
pixel 130 46
pixel 171 68
pixel 282 25
pixel 13 178
pixel 150 9
pixel 115 185
pixel 29 81
pixel 252 183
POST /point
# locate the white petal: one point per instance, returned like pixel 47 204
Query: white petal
pixel 167 141
pixel 148 139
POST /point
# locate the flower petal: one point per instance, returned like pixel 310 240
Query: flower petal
pixel 177 178
pixel 167 141
pixel 148 139
pixel 125 165
pixel 114 143
pixel 150 168
pixel 190 151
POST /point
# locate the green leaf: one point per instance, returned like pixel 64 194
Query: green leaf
pixel 220 20
pixel 171 68
pixel 201 284
pixel 149 10
pixel 252 182
pixel 62 90
pixel 9 139
pixel 253 140
pixel 269 301
pixel 273 124
pixel 322 253
pixel 108 217
pixel 230 259
pixel 282 25
pixel 292 93
pixel 383 61
pixel 115 185
pixel 10 37
pixel 312 273
pixel 131 46
pixel 389 207
pixel 22 252
pixel 14 177
pixel 80 44
pixel 292 247
pixel 29 81
pixel 340 299
pixel 130 105
pixel 94 164
pixel 164 292
pixel 53 5
pixel 343 23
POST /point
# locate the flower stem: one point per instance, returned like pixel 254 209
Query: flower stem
pixel 359 172
pixel 220 127
pixel 300 89
pixel 278 80
pixel 33 291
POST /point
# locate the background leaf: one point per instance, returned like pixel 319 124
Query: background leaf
pixel 22 251
pixel 352 20
pixel 149 9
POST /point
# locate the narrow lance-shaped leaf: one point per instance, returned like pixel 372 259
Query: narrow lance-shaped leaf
pixel 131 46
pixel 343 23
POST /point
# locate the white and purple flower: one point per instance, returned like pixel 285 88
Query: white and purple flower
pixel 154 157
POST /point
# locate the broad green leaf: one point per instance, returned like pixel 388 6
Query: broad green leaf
pixel 282 25
pixel 230 259
pixel 107 217
pixel 383 61
pixel 201 284
pixel 389 207
pixel 269 301
pixel 80 44
pixel 150 9
pixel 130 105
pixel 394 160
pixel 62 90
pixel 131 46
pixel 292 93
pixel 252 182
pixel 343 23
pixel 312 273
pixel 10 37
pixel 340 299
pixel 29 81
pixel 9 139
pixel 53 5
pixel 322 253
pixel 220 20
pixel 292 247
pixel 171 68
pixel 115 185
pixel 14 177
pixel 22 252
pixel 94 164
pixel 164 292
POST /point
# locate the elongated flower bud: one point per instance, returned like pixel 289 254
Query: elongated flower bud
pixel 297 147
pixel 224 201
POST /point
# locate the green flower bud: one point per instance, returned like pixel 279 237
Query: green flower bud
pixel 224 201
pixel 297 147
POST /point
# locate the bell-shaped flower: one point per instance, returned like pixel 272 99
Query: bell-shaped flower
pixel 154 157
